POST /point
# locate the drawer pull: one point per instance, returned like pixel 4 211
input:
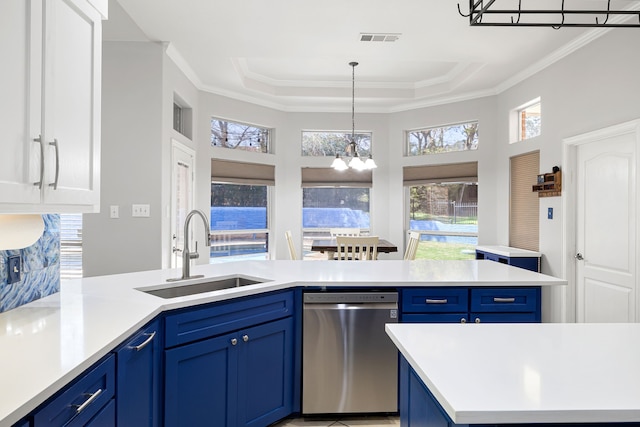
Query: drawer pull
pixel 88 402
pixel 497 299
pixel 437 301
pixel 146 342
pixel 463 320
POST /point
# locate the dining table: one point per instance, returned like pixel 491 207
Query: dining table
pixel 330 247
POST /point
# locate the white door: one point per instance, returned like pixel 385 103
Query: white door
pixel 182 167
pixel 20 50
pixel 606 220
pixel 72 79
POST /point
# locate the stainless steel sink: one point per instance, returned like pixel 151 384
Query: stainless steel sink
pixel 174 291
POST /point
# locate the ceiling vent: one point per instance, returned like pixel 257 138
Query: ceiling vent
pixel 379 37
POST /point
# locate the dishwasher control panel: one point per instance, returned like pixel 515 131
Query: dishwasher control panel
pixel 349 297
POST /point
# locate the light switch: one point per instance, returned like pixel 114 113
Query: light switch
pixel 550 213
pixel 140 210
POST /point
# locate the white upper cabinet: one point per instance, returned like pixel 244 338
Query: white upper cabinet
pixel 51 116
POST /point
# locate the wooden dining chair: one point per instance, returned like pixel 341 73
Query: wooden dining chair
pixel 335 232
pixel 292 248
pixel 412 246
pixel 357 248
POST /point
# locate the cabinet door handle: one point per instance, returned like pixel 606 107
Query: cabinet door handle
pixel 54 184
pixel 245 338
pixel 146 342
pixel 498 299
pixel 463 320
pixel 477 320
pixel 39 183
pixel 436 301
pixel 234 341
pixel 88 402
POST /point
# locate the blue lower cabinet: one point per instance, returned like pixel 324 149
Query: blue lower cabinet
pixel 242 378
pixel 265 373
pixel 106 417
pixel 138 378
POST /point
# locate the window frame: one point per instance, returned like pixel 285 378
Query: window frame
pixel 407 138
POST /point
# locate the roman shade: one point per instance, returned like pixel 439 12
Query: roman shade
pixel 328 177
pixel 524 205
pixel 232 172
pixel 430 174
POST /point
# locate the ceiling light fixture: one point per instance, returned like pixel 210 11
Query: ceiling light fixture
pixel 355 162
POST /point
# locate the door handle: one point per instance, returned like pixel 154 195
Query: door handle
pixel 579 256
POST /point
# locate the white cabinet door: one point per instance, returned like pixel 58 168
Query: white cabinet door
pixel 20 89
pixel 71 121
pixel 50 106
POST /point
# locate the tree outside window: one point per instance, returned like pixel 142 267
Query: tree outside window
pixel 442 139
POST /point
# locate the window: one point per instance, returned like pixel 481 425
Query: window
pixel 527 121
pixel 317 143
pixel 239 136
pixel 332 199
pixel 524 206
pixel 442 139
pixel 443 208
pixel 239 210
pixel 182 116
pixel 177 118
pixel 70 246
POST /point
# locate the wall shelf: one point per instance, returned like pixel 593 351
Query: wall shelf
pixel 549 184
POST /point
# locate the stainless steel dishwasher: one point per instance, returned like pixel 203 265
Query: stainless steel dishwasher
pixel 349 364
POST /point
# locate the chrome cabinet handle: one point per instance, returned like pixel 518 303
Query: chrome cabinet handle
pixel 463 320
pixel 146 342
pixel 498 299
pixel 88 402
pixel 54 184
pixel 245 338
pixel 436 301
pixel 234 341
pixel 39 183
pixel 477 320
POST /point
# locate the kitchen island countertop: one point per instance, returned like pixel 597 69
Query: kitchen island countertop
pixel 527 373
pixel 47 343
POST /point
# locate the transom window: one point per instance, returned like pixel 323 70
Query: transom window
pixel 240 136
pixel 330 143
pixel 526 121
pixel 442 139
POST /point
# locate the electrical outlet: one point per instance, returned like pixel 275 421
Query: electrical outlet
pixel 114 211
pixel 140 210
pixel 14 269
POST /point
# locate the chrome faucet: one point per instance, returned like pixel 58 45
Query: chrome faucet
pixel 186 255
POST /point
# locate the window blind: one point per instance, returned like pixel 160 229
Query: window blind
pixel 430 174
pixel 524 205
pixel 329 177
pixel 232 172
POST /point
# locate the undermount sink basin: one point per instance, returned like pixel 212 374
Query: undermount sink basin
pixel 174 291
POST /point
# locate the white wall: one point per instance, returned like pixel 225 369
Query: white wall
pixel 130 163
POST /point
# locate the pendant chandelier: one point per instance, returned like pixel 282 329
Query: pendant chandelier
pixel 356 162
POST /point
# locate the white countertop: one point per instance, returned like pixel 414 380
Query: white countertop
pixel 509 251
pixel 527 373
pixel 47 343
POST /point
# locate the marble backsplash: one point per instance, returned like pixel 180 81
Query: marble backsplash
pixel 40 268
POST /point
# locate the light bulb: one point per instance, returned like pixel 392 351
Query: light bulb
pixel 356 163
pixel 370 164
pixel 339 164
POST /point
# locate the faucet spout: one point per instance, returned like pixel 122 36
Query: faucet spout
pixel 187 255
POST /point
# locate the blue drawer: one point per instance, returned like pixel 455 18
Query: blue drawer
pixel 435 318
pixel 82 400
pixel 435 300
pixel 530 317
pixel 505 300
pixel 221 318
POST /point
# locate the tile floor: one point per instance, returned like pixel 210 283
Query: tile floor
pixel 373 421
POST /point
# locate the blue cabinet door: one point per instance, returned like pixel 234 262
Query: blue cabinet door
pixel 138 379
pixel 201 383
pixel 265 373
